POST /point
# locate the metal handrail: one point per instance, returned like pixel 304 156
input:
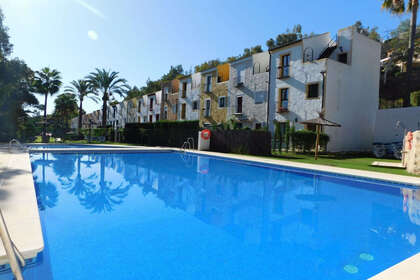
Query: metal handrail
pixel 16 142
pixel 192 140
pixel 12 251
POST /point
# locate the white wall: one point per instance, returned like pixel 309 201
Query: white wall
pixel 301 74
pixel 386 119
pixel 352 94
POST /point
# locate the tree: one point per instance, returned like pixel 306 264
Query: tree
pixel 367 31
pixel 65 110
pixel 15 98
pixel 132 93
pixel 398 7
pixel 5 45
pixel 81 89
pixel 206 65
pixel 46 82
pixel 287 37
pixel 108 84
pixel 174 72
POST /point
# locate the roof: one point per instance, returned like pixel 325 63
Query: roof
pixel 285 45
pixel 321 121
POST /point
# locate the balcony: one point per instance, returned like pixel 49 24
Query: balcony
pixel 282 110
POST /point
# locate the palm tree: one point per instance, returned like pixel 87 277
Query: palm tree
pixel 398 7
pixel 81 89
pixel 46 82
pixel 109 84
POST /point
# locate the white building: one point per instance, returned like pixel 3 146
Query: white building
pixel 189 97
pixel 148 107
pixel 338 77
pixel 248 91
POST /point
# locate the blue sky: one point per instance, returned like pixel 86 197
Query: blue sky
pixel 142 39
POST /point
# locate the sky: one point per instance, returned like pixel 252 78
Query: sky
pixel 141 39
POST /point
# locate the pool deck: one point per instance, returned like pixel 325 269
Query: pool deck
pixel 19 205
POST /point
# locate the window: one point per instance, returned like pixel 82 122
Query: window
pixel 115 111
pixel 222 101
pixel 283 99
pixel 139 119
pixel 151 118
pixel 144 119
pixel 342 57
pixel 183 110
pixel 258 125
pixel 241 76
pixel 239 104
pixel 195 105
pixel 208 83
pixel 259 97
pixel 284 68
pixel 157 117
pixel 312 91
pixel 165 113
pixel 207 108
pixel 139 108
pixel 151 104
pixel 184 90
pixel 165 97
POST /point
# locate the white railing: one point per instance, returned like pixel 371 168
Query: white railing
pixel 13 254
pixel 14 141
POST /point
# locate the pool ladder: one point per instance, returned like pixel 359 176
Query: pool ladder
pixel 15 141
pixel 15 258
pixel 188 145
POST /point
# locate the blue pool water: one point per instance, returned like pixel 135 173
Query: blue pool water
pixel 175 216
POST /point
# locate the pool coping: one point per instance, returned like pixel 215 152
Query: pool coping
pixel 19 205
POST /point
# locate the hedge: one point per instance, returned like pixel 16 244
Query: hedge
pixel 305 140
pixel 415 98
pixel 162 133
pixel 252 142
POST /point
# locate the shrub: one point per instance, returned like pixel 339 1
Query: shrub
pixel 305 139
pixel 162 133
pixel 415 98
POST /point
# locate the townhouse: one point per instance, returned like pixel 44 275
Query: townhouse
pixel 287 84
pixel 169 108
pixel 338 77
pixel 149 107
pixel 189 97
pixel 248 91
pixel 214 95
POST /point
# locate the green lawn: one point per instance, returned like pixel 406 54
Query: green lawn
pixel 361 162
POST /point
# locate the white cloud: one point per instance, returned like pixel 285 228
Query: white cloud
pixel 93 35
pixel 92 9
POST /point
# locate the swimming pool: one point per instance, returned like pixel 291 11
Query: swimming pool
pixel 65 146
pixel 183 216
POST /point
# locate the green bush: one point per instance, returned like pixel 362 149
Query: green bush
pixel 162 133
pixel 415 98
pixel 305 139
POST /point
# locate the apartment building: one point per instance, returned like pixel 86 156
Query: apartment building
pixel 189 97
pixel 248 91
pixel 169 108
pixel 288 84
pixel 339 77
pixel 214 95
pixel 149 107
